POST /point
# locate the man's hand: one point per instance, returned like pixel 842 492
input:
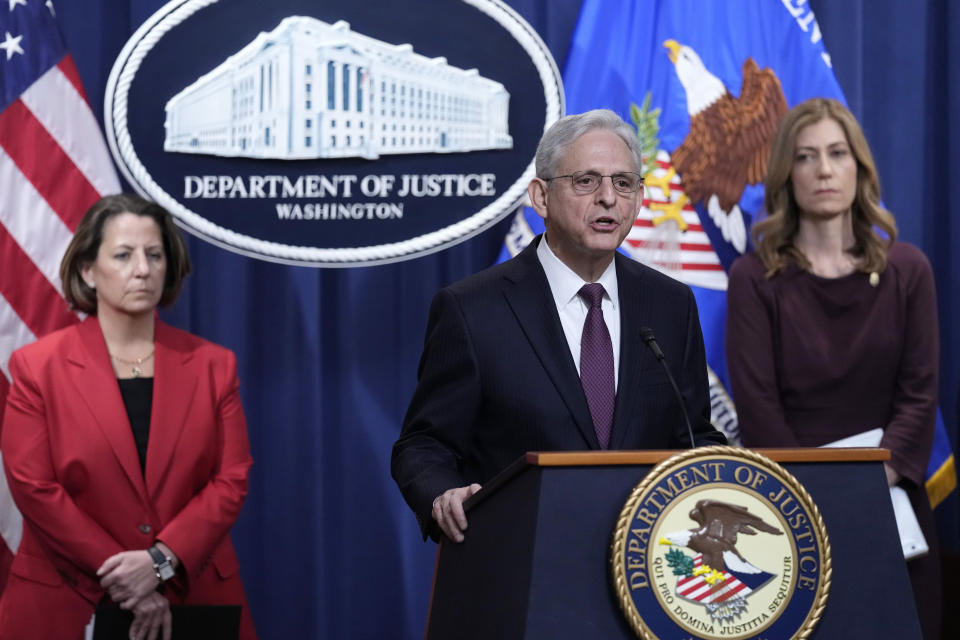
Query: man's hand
pixel 151 618
pixel 448 510
pixel 128 576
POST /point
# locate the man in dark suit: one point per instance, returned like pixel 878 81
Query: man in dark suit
pixel 532 355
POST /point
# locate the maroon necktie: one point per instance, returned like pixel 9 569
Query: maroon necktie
pixel 596 364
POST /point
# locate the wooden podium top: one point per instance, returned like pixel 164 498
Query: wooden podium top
pixel 585 458
pixel 623 458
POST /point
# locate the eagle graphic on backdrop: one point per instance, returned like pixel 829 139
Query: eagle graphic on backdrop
pixel 716 536
pixel 729 138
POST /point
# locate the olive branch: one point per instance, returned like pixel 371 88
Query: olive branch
pixel 648 126
pixel 681 563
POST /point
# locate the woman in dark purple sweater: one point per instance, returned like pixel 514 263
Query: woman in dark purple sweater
pixel 831 323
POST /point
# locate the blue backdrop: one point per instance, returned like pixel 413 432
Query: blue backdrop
pixel 328 358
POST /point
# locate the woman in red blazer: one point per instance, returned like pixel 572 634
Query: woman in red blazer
pixel 124 444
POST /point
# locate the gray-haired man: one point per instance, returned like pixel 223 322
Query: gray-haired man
pixel 543 352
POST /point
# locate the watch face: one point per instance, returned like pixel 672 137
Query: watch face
pixel 166 571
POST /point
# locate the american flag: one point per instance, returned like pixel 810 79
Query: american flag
pixel 53 166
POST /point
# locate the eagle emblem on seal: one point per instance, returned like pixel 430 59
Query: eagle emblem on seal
pixel 718 576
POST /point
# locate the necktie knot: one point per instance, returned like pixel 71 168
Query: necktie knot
pixel 592 294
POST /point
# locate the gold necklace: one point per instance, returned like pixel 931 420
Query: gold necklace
pixel 136 371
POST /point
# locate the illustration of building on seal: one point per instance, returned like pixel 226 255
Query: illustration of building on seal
pixel 309 89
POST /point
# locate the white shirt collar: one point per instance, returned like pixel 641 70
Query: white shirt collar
pixel 565 283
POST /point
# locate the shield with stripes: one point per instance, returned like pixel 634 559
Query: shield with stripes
pixel 723 593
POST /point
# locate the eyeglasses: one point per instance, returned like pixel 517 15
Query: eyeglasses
pixel 585 182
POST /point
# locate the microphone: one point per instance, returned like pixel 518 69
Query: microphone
pixel 646 334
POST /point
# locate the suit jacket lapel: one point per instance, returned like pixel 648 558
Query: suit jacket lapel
pixel 96 384
pixel 632 362
pixel 174 386
pixel 528 294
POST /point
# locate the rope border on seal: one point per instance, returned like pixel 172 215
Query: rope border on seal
pixel 121 146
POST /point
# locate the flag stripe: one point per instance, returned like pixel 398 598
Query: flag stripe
pixel 683 246
pixel 718 591
pixel 45 164
pixel 57 105
pixel 39 231
pixel 69 70
pixel 733 588
pixel 644 236
pixel 690 266
pixel 29 293
pixel 689 584
pixel 942 482
pixel 670 267
pixel 13 335
pixel 662 252
pixel 687 208
pixel 691 226
pixel 694 591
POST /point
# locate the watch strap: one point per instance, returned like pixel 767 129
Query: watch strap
pixel 158 556
pixel 161 564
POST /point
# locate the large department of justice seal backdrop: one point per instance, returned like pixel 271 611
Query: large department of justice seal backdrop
pixel 333 133
pixel 721 542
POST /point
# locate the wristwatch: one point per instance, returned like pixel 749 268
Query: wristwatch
pixel 161 564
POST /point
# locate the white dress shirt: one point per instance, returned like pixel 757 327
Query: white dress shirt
pixel 565 286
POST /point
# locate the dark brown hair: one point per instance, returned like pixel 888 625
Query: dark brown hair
pixel 774 236
pixel 85 245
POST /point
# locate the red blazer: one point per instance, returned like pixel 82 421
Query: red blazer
pixel 73 470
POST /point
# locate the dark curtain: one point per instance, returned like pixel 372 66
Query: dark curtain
pixel 328 358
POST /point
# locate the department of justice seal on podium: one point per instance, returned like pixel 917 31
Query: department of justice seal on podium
pixel 721 542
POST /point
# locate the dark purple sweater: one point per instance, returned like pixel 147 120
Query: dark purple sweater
pixel 814 359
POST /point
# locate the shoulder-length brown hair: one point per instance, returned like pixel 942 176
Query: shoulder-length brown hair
pixel 85 244
pixel 774 236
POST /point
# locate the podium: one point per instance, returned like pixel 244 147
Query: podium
pixel 536 559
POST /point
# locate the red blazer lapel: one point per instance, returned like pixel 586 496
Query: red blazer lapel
pixel 96 383
pixel 174 385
